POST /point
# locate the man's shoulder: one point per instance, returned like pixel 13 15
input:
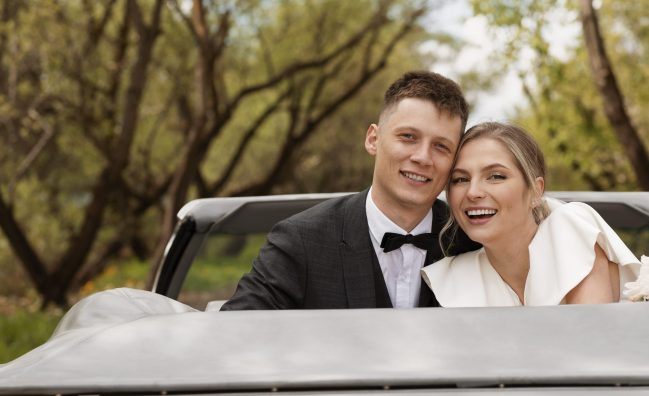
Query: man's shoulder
pixel 329 209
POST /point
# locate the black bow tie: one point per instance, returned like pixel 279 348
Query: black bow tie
pixel 392 241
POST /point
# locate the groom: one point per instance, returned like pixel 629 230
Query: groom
pixel 350 252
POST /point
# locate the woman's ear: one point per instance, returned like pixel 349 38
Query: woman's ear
pixel 540 184
pixel 538 191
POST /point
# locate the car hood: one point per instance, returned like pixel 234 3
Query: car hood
pixel 344 349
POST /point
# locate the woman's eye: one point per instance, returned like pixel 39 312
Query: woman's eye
pixel 459 179
pixel 496 176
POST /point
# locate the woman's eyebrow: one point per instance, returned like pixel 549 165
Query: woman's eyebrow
pixel 485 168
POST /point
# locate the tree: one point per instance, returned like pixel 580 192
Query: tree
pixel 612 97
pixel 564 111
pixel 118 112
pixel 305 96
pixel 53 284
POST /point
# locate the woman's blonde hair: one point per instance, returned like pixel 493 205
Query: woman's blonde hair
pixel 527 156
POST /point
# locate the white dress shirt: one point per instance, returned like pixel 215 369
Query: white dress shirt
pixel 401 267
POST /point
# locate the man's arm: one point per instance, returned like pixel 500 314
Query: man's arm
pixel 278 276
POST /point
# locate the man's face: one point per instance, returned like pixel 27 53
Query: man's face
pixel 414 148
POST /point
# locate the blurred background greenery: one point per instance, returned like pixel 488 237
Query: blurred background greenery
pixel 115 113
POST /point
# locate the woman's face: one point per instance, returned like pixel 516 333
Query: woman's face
pixel 488 194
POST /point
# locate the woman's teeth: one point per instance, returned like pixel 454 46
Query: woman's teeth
pixel 481 212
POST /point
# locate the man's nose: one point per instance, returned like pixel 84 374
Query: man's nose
pixel 422 155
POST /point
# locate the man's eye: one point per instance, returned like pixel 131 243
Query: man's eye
pixel 443 147
pixel 408 136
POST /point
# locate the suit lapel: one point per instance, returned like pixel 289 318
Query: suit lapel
pixel 440 216
pixel 435 253
pixel 356 254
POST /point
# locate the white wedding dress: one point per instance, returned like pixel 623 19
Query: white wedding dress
pixel 561 255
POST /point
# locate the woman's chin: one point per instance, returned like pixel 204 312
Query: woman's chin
pixel 480 237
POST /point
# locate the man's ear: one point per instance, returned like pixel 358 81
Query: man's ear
pixel 371 138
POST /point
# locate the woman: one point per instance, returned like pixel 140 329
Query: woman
pixel 536 251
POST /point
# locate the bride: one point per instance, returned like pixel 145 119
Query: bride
pixel 536 250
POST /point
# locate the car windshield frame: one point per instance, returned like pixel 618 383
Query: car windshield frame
pixel 201 218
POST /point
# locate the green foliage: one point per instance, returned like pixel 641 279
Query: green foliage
pixel 213 276
pixel 131 274
pixel 565 111
pixel 217 269
pixel 65 78
pixel 23 330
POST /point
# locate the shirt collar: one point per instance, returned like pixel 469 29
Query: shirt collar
pixel 379 223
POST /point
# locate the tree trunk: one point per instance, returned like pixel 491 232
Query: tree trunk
pixel 80 245
pixel 23 249
pixel 614 107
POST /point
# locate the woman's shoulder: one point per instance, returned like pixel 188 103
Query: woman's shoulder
pixel 578 226
pixel 569 218
pixel 560 209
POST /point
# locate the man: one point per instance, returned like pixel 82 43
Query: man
pixel 337 254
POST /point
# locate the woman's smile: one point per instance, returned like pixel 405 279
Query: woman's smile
pixel 479 216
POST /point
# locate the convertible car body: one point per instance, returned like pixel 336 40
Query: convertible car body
pixel 201 219
pixel 593 349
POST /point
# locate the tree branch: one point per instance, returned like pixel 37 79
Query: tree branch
pixel 293 142
pixel 214 188
pixel 96 30
pixel 46 137
pixel 81 242
pixel 23 249
pixel 292 69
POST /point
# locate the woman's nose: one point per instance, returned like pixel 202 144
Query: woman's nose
pixel 475 190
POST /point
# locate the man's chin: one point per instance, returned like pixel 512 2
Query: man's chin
pixel 418 202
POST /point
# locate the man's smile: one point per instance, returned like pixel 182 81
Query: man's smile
pixel 415 177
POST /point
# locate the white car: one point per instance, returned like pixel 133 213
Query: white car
pixel 587 349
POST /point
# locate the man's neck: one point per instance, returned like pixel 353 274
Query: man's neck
pixel 406 218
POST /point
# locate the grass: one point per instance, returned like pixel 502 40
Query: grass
pixel 213 276
pixel 24 330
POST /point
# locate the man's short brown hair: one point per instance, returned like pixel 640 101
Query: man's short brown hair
pixel 435 88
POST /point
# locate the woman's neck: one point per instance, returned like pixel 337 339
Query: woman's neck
pixel 511 259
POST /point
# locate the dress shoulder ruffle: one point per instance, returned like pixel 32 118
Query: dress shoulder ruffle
pixel 562 253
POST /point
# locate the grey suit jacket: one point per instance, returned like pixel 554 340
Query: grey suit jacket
pixel 324 258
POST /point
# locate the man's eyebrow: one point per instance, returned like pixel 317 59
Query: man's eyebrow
pixel 407 128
